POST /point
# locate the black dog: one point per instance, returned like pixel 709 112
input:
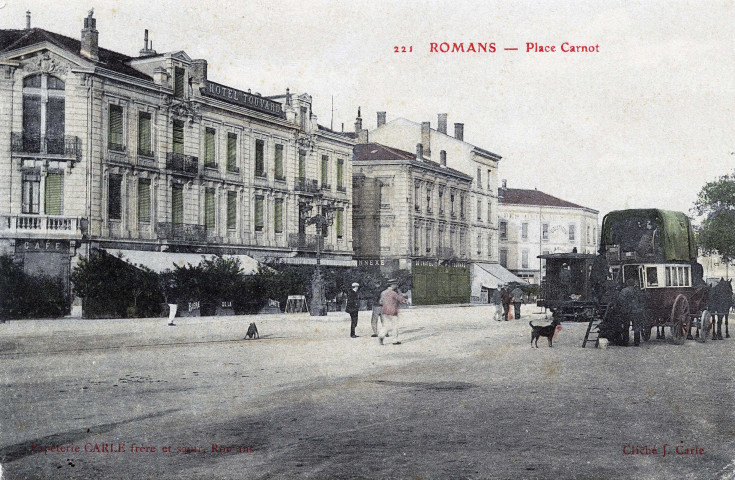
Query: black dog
pixel 252 332
pixel 548 331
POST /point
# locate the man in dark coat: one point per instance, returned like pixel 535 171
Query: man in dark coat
pixel 517 295
pixel 632 306
pixel 505 299
pixel 353 307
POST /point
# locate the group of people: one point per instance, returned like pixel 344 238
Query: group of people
pixel 384 321
pixel 503 298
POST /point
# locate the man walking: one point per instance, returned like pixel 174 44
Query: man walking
pixel 505 299
pixel 391 299
pixel 353 307
pixel 377 310
pixel 632 304
pixel 517 295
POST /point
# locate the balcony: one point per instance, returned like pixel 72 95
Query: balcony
pixel 444 252
pixel 326 186
pixel 341 188
pixel 184 232
pixel 41 226
pixel 63 146
pixel 182 164
pixel 306 185
pixel 307 242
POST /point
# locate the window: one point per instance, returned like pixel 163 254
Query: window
pixel 428 240
pixel 524 259
pixel 144 200
pixel 278 216
pixel 479 210
pixel 524 230
pixel 325 170
pixel 479 244
pixel 652 276
pixel 489 211
pixel 210 136
pixel 489 186
pixel 302 166
pixel 144 134
pixel 177 204
pixel 178 137
pixel 303 112
pixel 259 158
pixel 179 82
pixel 461 206
pixel 503 227
pixel 504 257
pixel 490 246
pixel 114 190
pixel 417 197
pixel 209 209
pixel 443 158
pixel 232 152
pixel 259 201
pixel 441 201
pixel 572 232
pixel 115 131
pixel 231 210
pixel 451 204
pixel 589 234
pixel 428 200
pixel 479 177
pixel 43 114
pixel 416 239
pixel 31 193
pixel 278 167
pixel 54 194
pixel 545 231
pixel 340 174
pixel 339 222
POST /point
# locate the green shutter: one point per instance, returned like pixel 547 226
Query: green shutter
pixel 144 200
pixel 340 167
pixel 178 137
pixel 325 169
pixel 54 193
pixel 177 205
pixel 340 222
pixel 178 82
pixel 231 152
pixel 115 134
pixel 231 210
pixel 279 162
pixel 209 139
pixel 278 216
pixel 209 209
pixel 259 163
pixel 144 134
pixel 258 213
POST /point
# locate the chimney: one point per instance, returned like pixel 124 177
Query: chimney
pixel 426 138
pixel 90 37
pixel 147 47
pixel 198 71
pixel 358 122
pixel 28 20
pixel 381 119
pixel 459 131
pixel 441 125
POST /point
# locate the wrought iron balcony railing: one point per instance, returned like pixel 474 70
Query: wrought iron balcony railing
pixel 444 252
pixel 69 146
pixel 306 185
pixel 182 163
pixel 181 231
pixel 341 188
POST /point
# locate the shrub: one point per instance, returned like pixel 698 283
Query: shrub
pixel 26 296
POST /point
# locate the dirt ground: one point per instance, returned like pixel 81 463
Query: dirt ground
pixel 462 397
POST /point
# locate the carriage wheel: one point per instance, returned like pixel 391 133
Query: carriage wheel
pixel 680 319
pixel 705 326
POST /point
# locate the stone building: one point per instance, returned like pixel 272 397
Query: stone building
pixel 534 223
pixel 411 213
pixel 147 154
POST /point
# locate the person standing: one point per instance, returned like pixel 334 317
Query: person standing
pixel 632 305
pixel 495 300
pixel 505 299
pixel 517 295
pixel 353 307
pixel 391 299
pixel 377 309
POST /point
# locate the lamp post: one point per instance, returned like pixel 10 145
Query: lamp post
pixel 321 220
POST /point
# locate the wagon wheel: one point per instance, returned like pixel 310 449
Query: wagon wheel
pixel 680 319
pixel 705 325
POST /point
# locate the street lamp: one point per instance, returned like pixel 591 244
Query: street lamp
pixel 321 220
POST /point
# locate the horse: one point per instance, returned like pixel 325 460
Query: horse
pixel 720 302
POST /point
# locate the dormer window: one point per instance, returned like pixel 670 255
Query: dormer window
pixel 179 74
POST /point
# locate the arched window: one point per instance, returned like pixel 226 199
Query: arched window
pixel 43 114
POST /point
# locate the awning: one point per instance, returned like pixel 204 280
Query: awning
pixel 161 261
pixel 327 262
pixel 491 275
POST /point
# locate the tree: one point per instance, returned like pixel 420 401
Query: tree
pixel 716 204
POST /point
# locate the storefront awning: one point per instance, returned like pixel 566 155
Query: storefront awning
pixel 492 276
pixel 328 262
pixel 161 261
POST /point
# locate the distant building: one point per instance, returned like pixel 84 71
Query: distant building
pixel 715 268
pixel 532 223
pixel 127 154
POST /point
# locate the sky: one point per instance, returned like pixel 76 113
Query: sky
pixel 643 123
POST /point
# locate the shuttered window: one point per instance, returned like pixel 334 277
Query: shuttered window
pixel 209 209
pixel 302 165
pixel 278 216
pixel 259 158
pixel 115 133
pixel 210 135
pixel 231 210
pixel 279 162
pixel 31 193
pixel 144 200
pixel 55 115
pixel 32 123
pixel 178 137
pixel 178 82
pixel 340 173
pixel 114 191
pixel 144 134
pixel 54 194
pixel 177 205
pixel 340 222
pixel 325 170
pixel 231 152
pixel 259 201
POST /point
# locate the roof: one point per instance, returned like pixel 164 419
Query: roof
pixel 376 152
pixel 117 62
pixel 520 196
